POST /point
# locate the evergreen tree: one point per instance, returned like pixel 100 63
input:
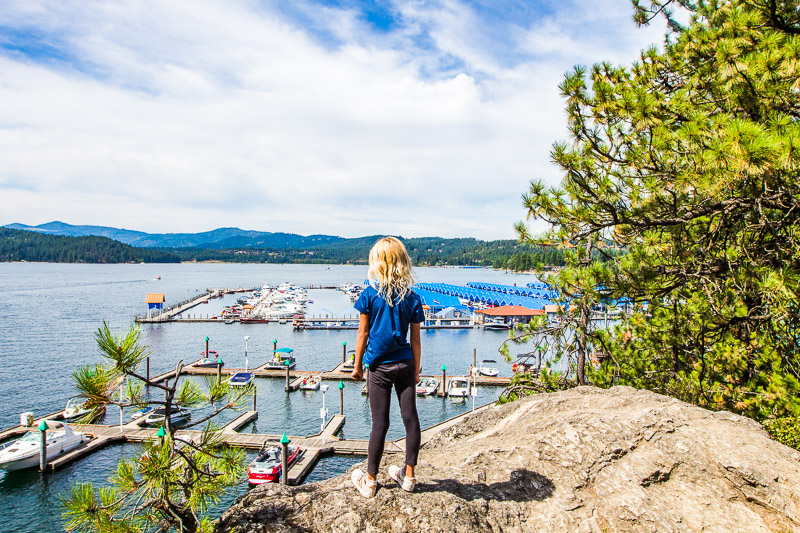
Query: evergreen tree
pixel 681 192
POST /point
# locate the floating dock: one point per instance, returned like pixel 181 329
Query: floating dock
pixel 315 446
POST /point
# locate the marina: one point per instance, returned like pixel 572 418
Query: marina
pixel 55 310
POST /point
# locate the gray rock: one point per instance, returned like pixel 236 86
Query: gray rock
pixel 587 459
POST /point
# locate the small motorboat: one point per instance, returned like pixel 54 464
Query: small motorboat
pixel 24 452
pixel 279 359
pixel 142 412
pixel 229 321
pixel 266 467
pixel 458 389
pixel 488 367
pixel 427 386
pixel 77 406
pixel 241 379
pixel 495 325
pixel 177 416
pixel 311 383
pixel 208 360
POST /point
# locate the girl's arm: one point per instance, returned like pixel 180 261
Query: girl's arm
pixel 416 349
pixel 361 345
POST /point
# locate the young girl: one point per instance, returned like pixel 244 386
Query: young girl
pixel 389 308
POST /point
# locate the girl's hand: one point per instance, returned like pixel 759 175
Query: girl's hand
pixel 357 374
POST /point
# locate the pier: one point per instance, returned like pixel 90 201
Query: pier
pixel 314 446
pixel 336 374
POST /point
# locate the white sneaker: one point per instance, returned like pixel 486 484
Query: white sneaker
pixel 366 487
pixel 398 474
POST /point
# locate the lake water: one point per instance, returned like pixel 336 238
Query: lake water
pixel 50 313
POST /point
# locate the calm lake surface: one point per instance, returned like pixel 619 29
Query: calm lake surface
pixel 51 312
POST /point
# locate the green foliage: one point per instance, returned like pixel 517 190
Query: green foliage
pixel 681 192
pixel 172 481
pixel 19 245
pixel 785 430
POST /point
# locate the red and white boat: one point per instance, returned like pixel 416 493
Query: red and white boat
pixel 266 467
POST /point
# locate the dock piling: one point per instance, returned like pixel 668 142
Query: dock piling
pixel 255 389
pixel 474 358
pixel 287 375
pixel 285 459
pixel 344 351
pixel 341 397
pixel 148 367
pixel 43 447
pixel 444 381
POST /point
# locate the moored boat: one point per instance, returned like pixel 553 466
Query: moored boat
pixel 279 359
pixel 241 379
pixel 427 386
pixel 458 388
pixel 24 452
pixel 142 412
pixel 488 367
pixel 178 415
pixel 209 360
pixel 77 406
pixel 267 466
pixel 311 382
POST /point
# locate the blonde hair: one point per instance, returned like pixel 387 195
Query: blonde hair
pixel 390 269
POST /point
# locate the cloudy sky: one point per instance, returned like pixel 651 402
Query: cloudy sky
pixel 344 117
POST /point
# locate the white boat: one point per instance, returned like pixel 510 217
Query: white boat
pixel 311 383
pixel 458 388
pixel 76 406
pixel 24 452
pixel 488 367
pixel 241 379
pixel 177 415
pixel 142 412
pixel 427 386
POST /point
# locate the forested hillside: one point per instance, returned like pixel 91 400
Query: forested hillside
pixel 18 245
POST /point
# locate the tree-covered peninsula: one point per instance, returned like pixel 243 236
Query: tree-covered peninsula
pixel 18 245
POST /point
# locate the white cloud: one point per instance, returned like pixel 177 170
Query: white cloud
pixel 186 116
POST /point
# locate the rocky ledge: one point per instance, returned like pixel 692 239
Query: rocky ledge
pixel 581 460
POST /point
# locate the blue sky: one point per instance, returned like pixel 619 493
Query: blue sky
pixel 313 116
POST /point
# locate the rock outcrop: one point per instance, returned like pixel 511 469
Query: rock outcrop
pixel 581 460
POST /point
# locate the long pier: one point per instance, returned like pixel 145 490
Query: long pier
pixel 336 374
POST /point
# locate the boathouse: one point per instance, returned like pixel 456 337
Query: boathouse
pixel 154 300
pixel 507 314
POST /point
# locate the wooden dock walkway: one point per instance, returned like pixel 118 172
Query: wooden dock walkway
pixel 315 446
pixel 336 374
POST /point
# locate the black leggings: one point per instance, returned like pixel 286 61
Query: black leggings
pixel 379 385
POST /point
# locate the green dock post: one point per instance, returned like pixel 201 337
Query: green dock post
pixel 341 397
pixel 285 459
pixel 344 351
pixel 219 370
pixel 443 390
pixel 206 346
pixel 274 344
pixel 43 447
pixel 287 375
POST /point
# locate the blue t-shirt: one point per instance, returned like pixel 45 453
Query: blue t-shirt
pixel 388 326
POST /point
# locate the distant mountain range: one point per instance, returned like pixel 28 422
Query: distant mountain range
pixel 218 239
pixel 60 242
